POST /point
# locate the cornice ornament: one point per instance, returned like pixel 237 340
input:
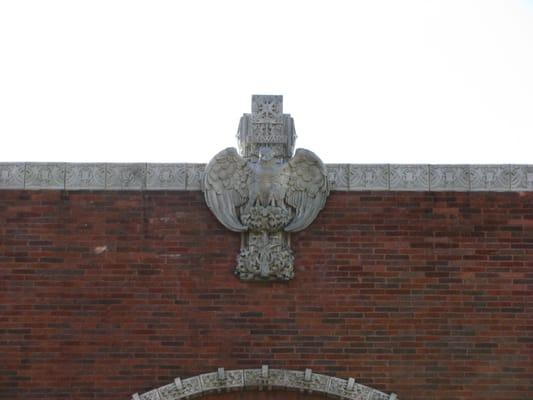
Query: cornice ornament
pixel 265 192
pixel 341 177
pixel 264 378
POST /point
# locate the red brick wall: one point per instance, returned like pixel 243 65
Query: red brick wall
pixel 103 294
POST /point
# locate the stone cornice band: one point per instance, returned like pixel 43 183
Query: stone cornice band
pixel 343 177
pixel 263 378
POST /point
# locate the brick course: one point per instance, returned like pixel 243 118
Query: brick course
pixel 425 294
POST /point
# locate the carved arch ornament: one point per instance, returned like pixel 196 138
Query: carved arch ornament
pixel 266 192
pixel 264 379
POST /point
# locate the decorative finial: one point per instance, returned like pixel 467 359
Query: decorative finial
pixel 266 126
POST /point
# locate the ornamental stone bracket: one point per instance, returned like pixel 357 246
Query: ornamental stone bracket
pixel 265 192
pixel 264 378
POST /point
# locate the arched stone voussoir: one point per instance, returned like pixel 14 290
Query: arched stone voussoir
pixel 263 378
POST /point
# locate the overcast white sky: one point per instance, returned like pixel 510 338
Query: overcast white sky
pixel 366 81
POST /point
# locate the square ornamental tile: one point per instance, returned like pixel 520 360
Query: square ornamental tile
pixel 125 176
pixel 307 381
pixel 11 175
pixel 44 176
pixel 277 378
pixel 85 176
pixel 409 177
pixel 522 177
pixel 449 177
pixel 195 176
pixel 169 392
pixel 214 381
pixel 490 177
pixel 256 377
pixel 151 395
pixel 189 387
pixel 166 176
pixel 353 390
pixel 369 177
pixel 338 176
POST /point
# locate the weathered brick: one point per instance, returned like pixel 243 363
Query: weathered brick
pixel 108 293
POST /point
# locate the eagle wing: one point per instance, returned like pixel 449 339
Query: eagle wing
pixel 306 188
pixel 226 183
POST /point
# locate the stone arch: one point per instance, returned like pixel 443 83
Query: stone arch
pixel 264 378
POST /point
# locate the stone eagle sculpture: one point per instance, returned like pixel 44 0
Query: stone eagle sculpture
pixel 266 193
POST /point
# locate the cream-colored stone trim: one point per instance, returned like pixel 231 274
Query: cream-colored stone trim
pixel 263 378
pixel 342 177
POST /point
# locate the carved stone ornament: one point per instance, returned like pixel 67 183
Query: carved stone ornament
pixel 264 378
pixel 266 193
